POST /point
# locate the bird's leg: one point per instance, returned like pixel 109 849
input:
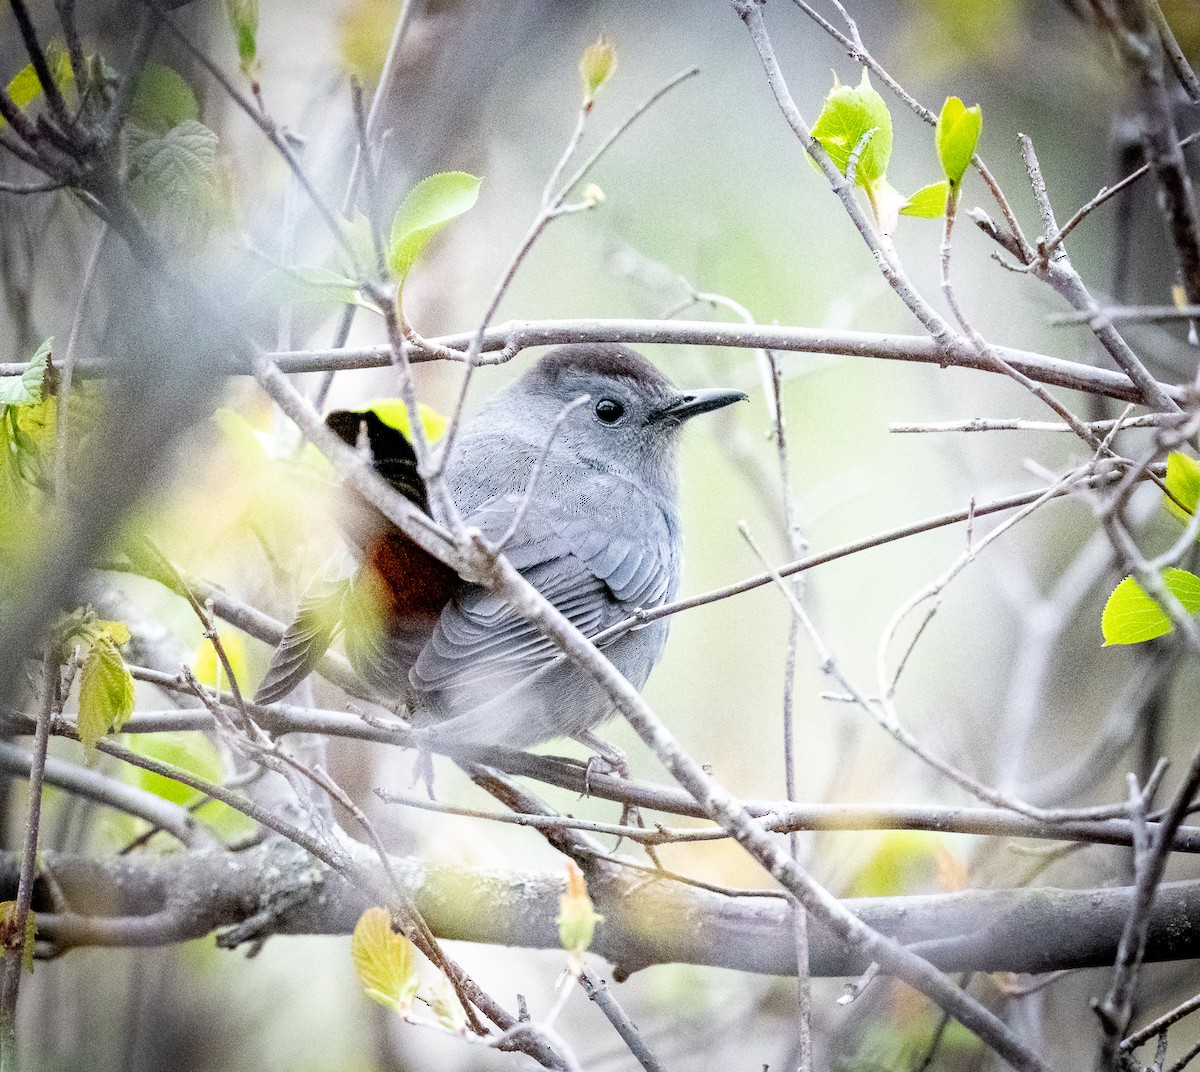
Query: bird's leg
pixel 609 759
pixel 423 771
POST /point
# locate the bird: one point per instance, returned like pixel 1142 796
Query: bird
pixel 571 472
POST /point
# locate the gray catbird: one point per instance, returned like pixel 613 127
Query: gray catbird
pixel 598 536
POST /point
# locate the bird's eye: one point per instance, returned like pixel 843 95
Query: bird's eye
pixel 609 410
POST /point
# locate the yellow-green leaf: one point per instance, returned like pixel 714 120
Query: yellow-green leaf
pixel 1131 616
pixel 105 692
pixel 117 632
pixel 384 961
pixel 394 413
pixel 208 669
pixel 190 753
pixel 596 67
pixel 429 206
pixel 903 861
pixel 577 918
pixel 848 116
pixel 243 18
pixel 958 130
pixel 929 202
pixel 162 99
pixel 1183 482
pixel 25 86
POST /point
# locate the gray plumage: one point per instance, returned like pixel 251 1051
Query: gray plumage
pixel 599 537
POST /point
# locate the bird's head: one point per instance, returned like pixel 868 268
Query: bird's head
pixel 609 408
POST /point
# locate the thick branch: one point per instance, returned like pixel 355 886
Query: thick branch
pixel 160 900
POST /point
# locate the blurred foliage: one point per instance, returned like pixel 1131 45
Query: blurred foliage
pixel 577 918
pixel 910 1031
pixel 907 862
pixel 950 34
pixel 1184 17
pixel 365 33
pixel 207 667
pixel 192 753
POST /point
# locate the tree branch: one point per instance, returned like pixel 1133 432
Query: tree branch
pixel 126 901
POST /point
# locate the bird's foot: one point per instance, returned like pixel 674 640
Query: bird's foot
pixel 606 759
pixel 422 773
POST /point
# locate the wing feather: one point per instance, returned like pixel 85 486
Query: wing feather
pixel 594 573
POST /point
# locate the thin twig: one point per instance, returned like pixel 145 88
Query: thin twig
pixel 1056 490
pixel 1016 424
pixel 14 947
pixel 1105 192
pixel 62 412
pixel 550 209
pixel 1159 1026
pixel 597 990
pixel 1179 62
pixel 1061 274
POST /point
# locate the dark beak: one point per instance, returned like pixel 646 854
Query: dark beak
pixel 695 402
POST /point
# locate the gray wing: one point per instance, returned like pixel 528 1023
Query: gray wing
pixel 318 620
pixel 594 573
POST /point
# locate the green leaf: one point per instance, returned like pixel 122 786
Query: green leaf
pixel 243 18
pixel 1183 482
pixel 1131 616
pixel 105 692
pixel 173 179
pixel 958 130
pixel 28 389
pixel 25 86
pixel 430 205
pixel 596 67
pixel 929 202
pixel 384 961
pixel 848 115
pixel 162 99
pixel 176 166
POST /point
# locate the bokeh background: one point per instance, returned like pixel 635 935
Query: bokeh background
pixel 709 191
